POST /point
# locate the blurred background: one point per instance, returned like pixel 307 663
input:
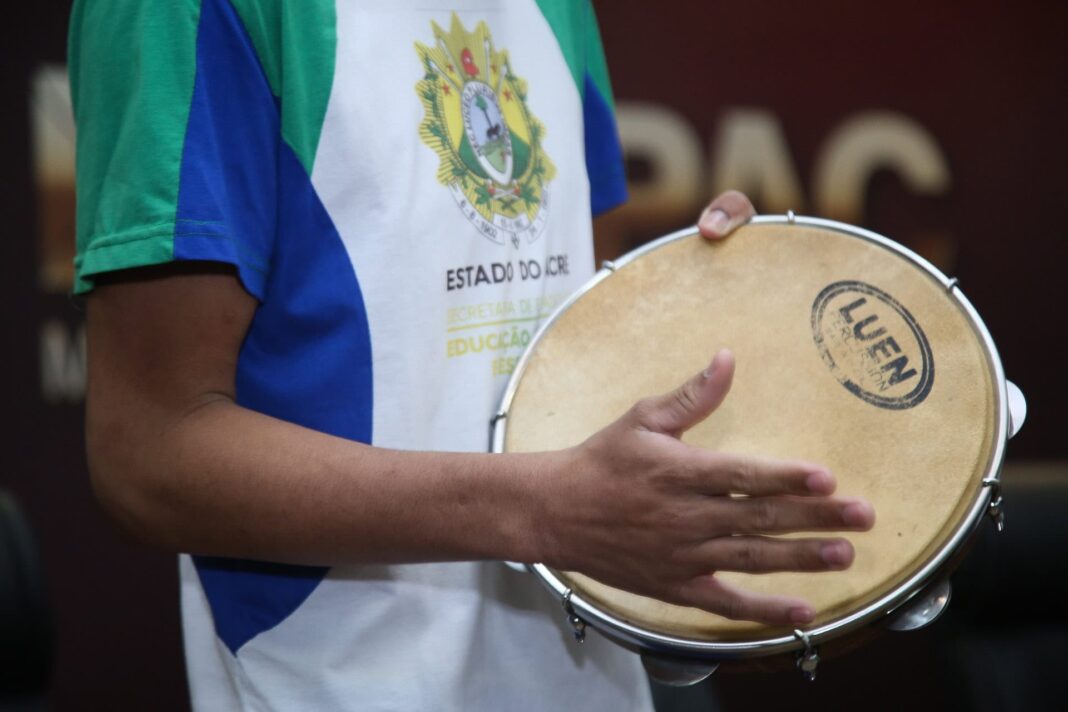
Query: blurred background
pixel 938 124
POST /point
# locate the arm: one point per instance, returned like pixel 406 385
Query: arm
pixel 177 462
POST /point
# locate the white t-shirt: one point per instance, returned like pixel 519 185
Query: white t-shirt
pixel 406 187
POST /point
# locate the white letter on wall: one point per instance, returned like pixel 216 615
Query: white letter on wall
pixel 867 143
pixel 666 141
pixel 62 362
pixel 751 155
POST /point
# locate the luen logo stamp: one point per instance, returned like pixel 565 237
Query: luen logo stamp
pixel 872 345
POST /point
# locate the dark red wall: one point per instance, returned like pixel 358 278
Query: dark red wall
pixel 986 80
pixel 989 82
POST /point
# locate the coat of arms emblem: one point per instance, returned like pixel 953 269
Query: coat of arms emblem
pixel 478 122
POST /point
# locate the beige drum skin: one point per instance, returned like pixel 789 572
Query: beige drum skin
pixel 850 351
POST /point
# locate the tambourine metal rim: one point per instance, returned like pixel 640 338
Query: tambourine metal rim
pixel 633 635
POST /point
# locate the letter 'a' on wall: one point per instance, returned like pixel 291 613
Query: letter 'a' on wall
pixel 750 154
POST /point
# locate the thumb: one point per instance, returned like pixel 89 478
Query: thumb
pixel 676 412
pixel 724 214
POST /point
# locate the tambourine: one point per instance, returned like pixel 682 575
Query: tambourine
pixel 851 351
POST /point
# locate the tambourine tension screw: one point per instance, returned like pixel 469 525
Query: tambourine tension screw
pixel 808 659
pixel 578 625
pixel 996 508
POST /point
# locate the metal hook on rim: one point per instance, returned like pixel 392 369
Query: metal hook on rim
pixel 577 624
pixel 808 659
pixel 996 508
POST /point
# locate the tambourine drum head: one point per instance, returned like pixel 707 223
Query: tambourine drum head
pixel 847 354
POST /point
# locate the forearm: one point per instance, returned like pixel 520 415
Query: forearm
pixel 178 463
pixel 223 480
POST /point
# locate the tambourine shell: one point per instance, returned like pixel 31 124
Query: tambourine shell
pixel 850 351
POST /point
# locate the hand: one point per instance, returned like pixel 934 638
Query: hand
pixel 723 215
pixel 643 511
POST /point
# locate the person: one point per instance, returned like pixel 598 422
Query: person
pixel 314 237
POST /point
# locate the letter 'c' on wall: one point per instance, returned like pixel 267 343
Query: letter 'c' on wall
pixel 867 143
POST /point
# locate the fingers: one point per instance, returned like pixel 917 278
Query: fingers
pixel 674 413
pixel 724 214
pixel 761 555
pixel 712 594
pixel 758 555
pixel 778 515
pixel 725 473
